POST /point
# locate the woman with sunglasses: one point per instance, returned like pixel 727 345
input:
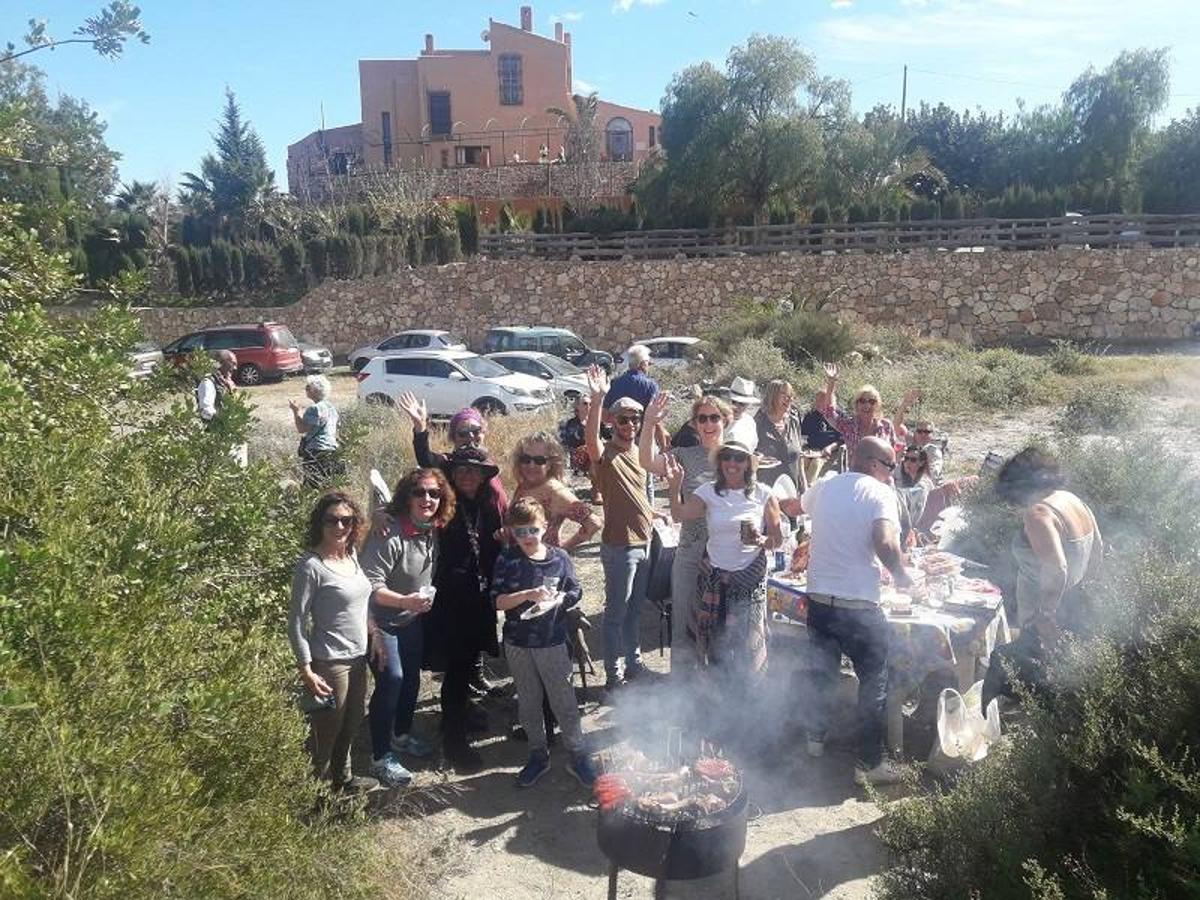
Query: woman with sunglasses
pixel 867 419
pixel 743 522
pixel 538 464
pixel 327 628
pixel 400 567
pixel 913 486
pixel 779 434
pixel 709 417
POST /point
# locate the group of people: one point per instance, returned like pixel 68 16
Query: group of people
pixel 419 585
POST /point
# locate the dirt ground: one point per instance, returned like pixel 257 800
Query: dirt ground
pixel 811 832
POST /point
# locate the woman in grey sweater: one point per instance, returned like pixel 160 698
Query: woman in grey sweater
pixel 327 627
pixel 399 560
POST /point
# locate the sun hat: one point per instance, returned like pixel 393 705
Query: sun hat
pixel 742 390
pixel 475 458
pixel 736 445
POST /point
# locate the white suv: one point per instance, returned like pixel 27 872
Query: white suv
pixel 448 380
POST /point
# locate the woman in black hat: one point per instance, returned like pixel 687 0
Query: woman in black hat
pixel 462 623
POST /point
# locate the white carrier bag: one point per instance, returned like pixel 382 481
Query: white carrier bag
pixel 964 731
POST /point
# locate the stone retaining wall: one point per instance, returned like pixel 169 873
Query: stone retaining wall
pixel 987 297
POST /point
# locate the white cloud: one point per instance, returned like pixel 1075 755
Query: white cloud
pixel 842 4
pixel 566 17
pixel 579 86
pixel 624 6
pixel 914 2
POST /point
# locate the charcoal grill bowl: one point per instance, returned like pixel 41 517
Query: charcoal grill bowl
pixel 676 851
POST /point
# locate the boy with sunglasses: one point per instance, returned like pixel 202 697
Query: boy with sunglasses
pixel 535 645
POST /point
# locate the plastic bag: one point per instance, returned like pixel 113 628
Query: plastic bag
pixel 964 732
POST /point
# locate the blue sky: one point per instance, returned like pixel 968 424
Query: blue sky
pixel 285 59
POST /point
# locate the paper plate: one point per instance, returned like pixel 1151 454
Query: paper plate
pixel 540 609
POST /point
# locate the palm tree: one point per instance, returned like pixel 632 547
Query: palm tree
pixel 582 187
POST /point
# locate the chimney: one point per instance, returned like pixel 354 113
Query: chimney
pixel 558 32
pixel 527 18
pixel 567 38
pixel 429 43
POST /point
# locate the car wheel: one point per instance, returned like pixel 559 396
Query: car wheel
pixel 380 400
pixel 489 406
pixel 248 374
pixel 358 364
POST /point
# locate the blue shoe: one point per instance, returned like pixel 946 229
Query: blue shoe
pixel 538 765
pixel 583 770
pixel 411 745
pixel 390 772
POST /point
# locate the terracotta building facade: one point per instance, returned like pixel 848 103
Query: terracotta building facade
pixel 470 108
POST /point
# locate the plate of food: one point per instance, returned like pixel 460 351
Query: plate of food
pixel 767 462
pixel 542 607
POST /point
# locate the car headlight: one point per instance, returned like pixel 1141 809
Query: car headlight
pixel 515 391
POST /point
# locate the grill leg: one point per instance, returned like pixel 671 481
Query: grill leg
pixel 660 889
pixel 612 881
pixel 737 881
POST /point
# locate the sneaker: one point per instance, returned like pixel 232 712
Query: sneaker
pixel 538 765
pixel 815 747
pixel 479 685
pixel 637 670
pixel 464 760
pixel 613 684
pixel 411 745
pixel 887 772
pixel 390 772
pixel 358 784
pixel 477 718
pixel 583 770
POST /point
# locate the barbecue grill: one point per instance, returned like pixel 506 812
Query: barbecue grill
pixel 673 846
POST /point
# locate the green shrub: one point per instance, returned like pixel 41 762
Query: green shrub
pixel 468 227
pixel 181 264
pixel 756 359
pixel 196 265
pixel 1066 358
pixel 237 269
pixel 1099 407
pixel 291 261
pixel 1005 378
pixel 222 269
pixel 318 258
pixel 151 742
pixel 808 336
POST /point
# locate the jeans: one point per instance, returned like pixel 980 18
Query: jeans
pixel 862 634
pixel 626 574
pixel 543 674
pixel 396 686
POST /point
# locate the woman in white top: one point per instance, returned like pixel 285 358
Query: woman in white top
pixel 732 621
pixel 710 415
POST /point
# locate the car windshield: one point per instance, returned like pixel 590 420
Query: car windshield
pixel 560 366
pixel 482 368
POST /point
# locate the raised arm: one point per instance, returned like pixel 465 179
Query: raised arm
pixel 657 412
pixel 302 426
pixel 826 398
pixel 414 407
pixel 911 396
pixel 598 387
pixel 681 510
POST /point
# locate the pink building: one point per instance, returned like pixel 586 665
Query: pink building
pixel 477 108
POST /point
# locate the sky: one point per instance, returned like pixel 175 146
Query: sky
pixel 288 62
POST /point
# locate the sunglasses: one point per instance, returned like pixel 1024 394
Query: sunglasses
pixel 915 459
pixel 631 419
pixel 431 493
pixel 703 418
pixel 733 456
pixel 525 459
pixel 924 431
pixel 870 401
pixel 469 432
pixel 344 521
pixel 890 466
pixel 525 531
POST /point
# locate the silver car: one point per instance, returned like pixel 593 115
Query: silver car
pixel 413 339
pixel 566 380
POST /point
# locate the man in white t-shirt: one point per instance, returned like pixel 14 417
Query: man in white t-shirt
pixel 855 527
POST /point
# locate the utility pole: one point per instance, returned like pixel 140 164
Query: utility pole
pixel 904 94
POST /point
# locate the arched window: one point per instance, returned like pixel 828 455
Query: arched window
pixel 618 140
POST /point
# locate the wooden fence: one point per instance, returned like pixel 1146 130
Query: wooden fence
pixel 1093 232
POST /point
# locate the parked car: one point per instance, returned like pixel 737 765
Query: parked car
pixel 449 380
pixel 316 359
pixel 560 342
pixel 144 359
pixel 413 339
pixel 264 350
pixel 668 352
pixel 566 380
